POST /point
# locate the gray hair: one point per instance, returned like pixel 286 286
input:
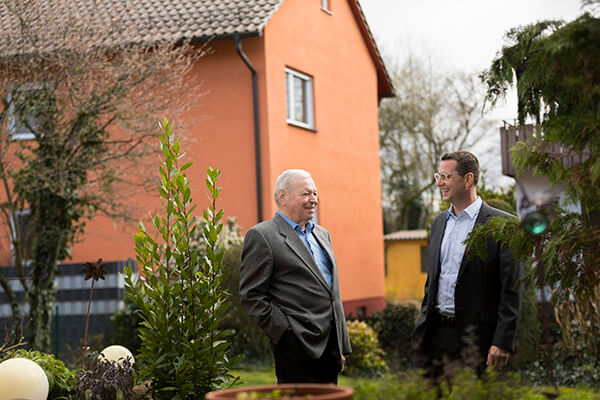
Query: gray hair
pixel 283 182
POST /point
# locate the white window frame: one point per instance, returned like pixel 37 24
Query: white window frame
pixel 290 75
pixel 17 130
pixel 14 224
pixel 325 6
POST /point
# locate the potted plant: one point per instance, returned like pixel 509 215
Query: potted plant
pixel 293 391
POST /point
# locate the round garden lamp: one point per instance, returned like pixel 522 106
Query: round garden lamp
pixel 535 223
pixel 117 354
pixel 22 379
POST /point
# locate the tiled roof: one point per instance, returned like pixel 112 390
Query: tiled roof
pixel 148 21
pixel 418 234
pixel 167 19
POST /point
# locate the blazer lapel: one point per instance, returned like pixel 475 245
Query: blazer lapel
pixel 295 243
pixel 436 241
pixel 324 243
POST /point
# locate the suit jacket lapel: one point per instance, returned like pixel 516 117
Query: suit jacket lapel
pixel 436 240
pixel 295 243
pixel 322 239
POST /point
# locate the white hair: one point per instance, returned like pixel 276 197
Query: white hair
pixel 283 182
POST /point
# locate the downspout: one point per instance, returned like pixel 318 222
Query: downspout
pixel 257 166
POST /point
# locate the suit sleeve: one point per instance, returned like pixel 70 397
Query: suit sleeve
pixel 511 295
pixel 255 274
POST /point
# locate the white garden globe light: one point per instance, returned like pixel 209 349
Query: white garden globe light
pixel 22 379
pixel 117 354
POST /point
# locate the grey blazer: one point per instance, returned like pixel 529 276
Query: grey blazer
pixel 281 286
pixel 487 294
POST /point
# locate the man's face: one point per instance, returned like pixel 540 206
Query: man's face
pixel 454 189
pixel 299 200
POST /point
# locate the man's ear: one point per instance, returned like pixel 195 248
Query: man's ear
pixel 282 197
pixel 470 177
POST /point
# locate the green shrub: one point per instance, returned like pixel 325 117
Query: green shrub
pixel 180 293
pixel 366 358
pixel 394 326
pixel 60 379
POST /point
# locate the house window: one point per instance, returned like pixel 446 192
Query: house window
pixel 300 109
pixel 325 6
pixel 21 234
pixel 28 105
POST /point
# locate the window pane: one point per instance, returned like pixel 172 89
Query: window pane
pixel 288 95
pixel 300 99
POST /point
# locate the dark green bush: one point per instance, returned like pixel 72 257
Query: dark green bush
pixel 394 326
pixel 367 357
pixel 60 379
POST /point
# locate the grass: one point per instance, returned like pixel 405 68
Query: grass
pixel 260 375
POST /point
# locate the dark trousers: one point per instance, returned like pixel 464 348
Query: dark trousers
pixel 445 348
pixel 293 365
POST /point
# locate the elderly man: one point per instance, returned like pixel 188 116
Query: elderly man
pixel 289 284
pixel 466 296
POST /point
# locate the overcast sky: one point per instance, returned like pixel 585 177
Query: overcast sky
pixel 459 34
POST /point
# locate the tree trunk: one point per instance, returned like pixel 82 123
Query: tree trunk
pixel 51 228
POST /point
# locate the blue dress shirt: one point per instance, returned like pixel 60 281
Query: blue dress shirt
pixel 319 254
pixel 452 252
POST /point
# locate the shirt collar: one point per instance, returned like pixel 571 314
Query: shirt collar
pixel 472 210
pixel 295 226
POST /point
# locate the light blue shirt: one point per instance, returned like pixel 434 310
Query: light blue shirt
pixel 318 253
pixel 452 252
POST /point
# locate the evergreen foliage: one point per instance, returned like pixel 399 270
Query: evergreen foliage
pixel 179 293
pixel 556 69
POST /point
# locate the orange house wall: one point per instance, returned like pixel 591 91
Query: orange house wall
pixel 342 155
pixel 217 131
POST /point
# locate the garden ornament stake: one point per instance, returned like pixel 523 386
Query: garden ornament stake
pixel 94 271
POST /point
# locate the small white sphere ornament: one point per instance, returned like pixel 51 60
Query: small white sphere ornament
pixel 117 354
pixel 21 378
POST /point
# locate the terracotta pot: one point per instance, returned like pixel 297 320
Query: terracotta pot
pixel 295 391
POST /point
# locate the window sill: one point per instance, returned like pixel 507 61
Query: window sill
pixel 305 127
pixel 327 11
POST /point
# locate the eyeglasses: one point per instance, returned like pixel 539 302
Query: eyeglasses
pixel 442 176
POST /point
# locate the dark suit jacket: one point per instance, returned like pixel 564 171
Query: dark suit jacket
pixel 281 285
pixel 486 297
